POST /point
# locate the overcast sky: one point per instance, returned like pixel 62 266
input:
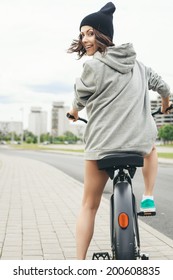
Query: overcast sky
pixel 35 69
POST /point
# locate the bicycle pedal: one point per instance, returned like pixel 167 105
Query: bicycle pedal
pixel 144 256
pixel 146 214
pixel 101 255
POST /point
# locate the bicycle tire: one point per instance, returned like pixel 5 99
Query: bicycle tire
pixel 123 239
pixel 136 226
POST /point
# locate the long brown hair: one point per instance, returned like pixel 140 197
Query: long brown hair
pixel 102 41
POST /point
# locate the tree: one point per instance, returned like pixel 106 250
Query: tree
pixel 69 136
pixel 46 137
pixel 29 137
pixel 166 133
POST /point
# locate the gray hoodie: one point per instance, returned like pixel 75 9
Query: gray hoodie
pixel 114 88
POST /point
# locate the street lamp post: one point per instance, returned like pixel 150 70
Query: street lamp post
pixel 21 109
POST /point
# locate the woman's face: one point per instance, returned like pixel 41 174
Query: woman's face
pixel 88 40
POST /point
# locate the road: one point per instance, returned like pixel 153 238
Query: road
pixel 74 165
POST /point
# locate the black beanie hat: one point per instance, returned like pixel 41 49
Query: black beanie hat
pixel 101 20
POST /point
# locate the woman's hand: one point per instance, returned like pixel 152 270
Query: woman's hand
pixel 73 113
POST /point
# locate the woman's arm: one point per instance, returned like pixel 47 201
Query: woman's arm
pixel 165 104
pixel 85 86
pixel 156 83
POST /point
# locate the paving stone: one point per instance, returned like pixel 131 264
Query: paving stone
pixel 38 209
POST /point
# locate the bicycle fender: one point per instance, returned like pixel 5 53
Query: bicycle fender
pixel 123 236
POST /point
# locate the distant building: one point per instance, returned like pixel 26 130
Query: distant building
pixel 77 128
pixel 37 121
pixel 59 122
pixel 161 119
pixel 12 126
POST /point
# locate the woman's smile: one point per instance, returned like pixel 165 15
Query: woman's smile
pixel 88 40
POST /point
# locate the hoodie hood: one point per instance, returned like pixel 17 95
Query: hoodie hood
pixel 121 58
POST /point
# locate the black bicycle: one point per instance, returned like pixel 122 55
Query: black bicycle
pixel 124 228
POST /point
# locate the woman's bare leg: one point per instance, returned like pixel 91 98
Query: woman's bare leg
pixel 150 171
pixel 94 183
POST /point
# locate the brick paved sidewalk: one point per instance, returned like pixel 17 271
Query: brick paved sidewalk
pixel 38 209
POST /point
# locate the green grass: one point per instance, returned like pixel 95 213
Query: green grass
pixel 66 149
pixel 37 147
pixel 166 145
pixel 165 155
pixel 26 146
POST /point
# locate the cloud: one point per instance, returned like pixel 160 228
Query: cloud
pixel 53 87
pixel 35 35
pixel 5 99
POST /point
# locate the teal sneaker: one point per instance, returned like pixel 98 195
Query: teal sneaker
pixel 147 205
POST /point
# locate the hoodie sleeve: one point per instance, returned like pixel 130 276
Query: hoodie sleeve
pixel 156 83
pixel 84 87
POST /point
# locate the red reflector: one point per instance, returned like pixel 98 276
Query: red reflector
pixel 123 220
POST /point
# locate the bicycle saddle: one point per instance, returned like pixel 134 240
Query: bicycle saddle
pixel 120 160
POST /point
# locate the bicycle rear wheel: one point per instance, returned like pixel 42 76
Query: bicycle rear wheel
pixel 123 229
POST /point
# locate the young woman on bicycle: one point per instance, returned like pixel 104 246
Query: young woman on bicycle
pixel 114 88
